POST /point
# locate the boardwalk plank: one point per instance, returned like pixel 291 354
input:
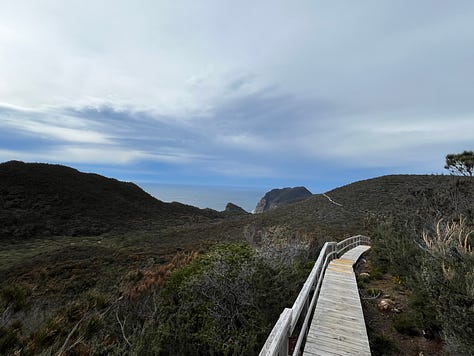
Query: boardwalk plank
pixel 338 326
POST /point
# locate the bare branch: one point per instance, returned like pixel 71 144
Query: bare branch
pixel 5 315
pixel 73 330
pixel 122 326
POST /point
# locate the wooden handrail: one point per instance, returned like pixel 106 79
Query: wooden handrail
pixel 277 342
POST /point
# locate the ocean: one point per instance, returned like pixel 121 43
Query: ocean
pixel 214 197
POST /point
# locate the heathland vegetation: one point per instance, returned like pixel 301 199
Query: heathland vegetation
pixel 431 252
pixel 111 270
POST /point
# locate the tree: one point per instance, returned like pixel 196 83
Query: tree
pixel 460 163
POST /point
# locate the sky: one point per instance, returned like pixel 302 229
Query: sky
pixel 237 93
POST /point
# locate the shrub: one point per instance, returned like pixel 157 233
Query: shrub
pixel 383 345
pixel 97 300
pixel 362 280
pixel 16 295
pixel 46 335
pixel 376 273
pixel 423 306
pixel 394 248
pixel 407 323
pixel 74 311
pixel 437 264
pixel 374 292
pixel 8 340
pixel 448 277
pixel 225 301
pixel 93 326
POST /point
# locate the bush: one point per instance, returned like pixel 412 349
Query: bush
pixel 93 326
pixel 97 300
pixel 362 280
pixel 225 302
pixel 374 292
pixel 448 277
pixel 423 306
pixel 16 295
pixel 437 263
pixel 407 323
pixel 383 345
pixel 376 273
pixel 46 335
pixel 394 249
pixel 8 340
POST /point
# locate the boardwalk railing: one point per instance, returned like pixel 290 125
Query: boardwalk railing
pixel 278 341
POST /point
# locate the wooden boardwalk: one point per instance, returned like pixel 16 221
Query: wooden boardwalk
pixel 338 326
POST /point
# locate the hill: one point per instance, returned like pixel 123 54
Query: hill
pixel 232 210
pixel 39 199
pixel 154 269
pixel 351 208
pixel 279 197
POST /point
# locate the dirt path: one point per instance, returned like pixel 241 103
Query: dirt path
pixel 332 201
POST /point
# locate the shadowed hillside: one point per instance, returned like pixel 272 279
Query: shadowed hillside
pixel 46 200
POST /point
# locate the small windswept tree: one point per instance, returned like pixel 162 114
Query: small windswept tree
pixel 460 163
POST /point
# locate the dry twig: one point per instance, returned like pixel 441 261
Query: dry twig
pixel 122 326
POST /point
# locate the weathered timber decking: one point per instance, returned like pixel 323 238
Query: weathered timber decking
pixel 338 326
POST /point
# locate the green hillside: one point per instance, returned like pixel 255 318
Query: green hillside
pixel 48 200
pixel 359 203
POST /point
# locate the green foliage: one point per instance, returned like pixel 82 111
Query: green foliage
pixel 449 285
pixel 448 276
pixel 225 302
pixel 407 323
pixel 93 326
pixel 425 310
pixel 460 163
pixel 376 273
pixel 96 299
pixel 374 292
pixel 83 318
pixel 362 280
pixel 437 264
pixel 15 295
pixel 74 312
pixel 134 276
pixel 383 345
pixel 46 335
pixel 394 249
pixel 8 340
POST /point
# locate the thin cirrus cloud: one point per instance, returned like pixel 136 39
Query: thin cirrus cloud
pixel 222 91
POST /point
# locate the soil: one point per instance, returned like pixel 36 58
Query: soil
pixel 384 338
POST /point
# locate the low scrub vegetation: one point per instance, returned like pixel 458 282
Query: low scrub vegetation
pixel 186 283
pixel 433 255
pixel 221 302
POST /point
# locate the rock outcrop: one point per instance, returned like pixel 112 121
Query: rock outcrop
pixel 278 197
pixel 232 209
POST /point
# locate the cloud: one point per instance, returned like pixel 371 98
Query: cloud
pixel 178 59
pixel 56 132
pixel 212 88
pixel 96 155
pixel 50 124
